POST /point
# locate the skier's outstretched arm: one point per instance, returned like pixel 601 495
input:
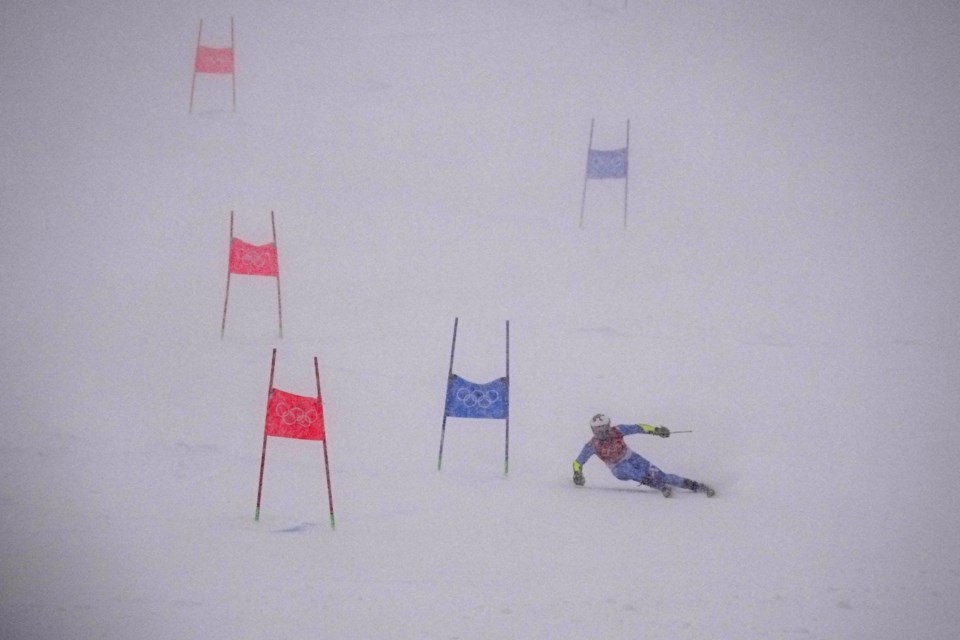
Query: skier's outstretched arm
pixel 585 454
pixel 630 429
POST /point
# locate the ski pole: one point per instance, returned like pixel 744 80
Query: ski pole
pixel 687 431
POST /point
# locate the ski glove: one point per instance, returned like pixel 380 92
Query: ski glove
pixel 663 432
pixel 578 478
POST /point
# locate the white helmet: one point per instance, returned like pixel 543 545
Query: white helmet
pixel 600 425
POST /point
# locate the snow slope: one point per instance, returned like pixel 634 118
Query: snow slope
pixel 786 286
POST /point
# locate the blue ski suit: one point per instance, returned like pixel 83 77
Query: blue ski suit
pixel 626 464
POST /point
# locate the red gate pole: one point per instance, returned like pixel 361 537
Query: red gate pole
pixel 193 84
pixel 263 453
pixel 226 298
pixel 277 252
pixel 326 459
pixel 233 73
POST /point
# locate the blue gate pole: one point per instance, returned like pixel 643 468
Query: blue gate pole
pixel 506 454
pixel 443 427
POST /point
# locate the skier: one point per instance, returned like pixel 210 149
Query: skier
pixel 625 464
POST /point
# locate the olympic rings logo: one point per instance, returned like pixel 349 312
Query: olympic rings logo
pixel 254 259
pixel 296 417
pixel 475 397
pixel 220 58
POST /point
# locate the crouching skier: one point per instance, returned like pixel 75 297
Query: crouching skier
pixel 625 464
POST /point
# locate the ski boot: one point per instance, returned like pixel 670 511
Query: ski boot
pixel 698 487
pixel 666 490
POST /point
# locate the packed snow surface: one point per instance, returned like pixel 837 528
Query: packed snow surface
pixel 784 284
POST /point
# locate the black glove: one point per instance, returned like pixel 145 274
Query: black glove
pixel 663 432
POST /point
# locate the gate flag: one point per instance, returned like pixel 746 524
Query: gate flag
pixel 293 416
pixel 215 61
pixel 607 164
pixel 467 399
pixel 253 260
